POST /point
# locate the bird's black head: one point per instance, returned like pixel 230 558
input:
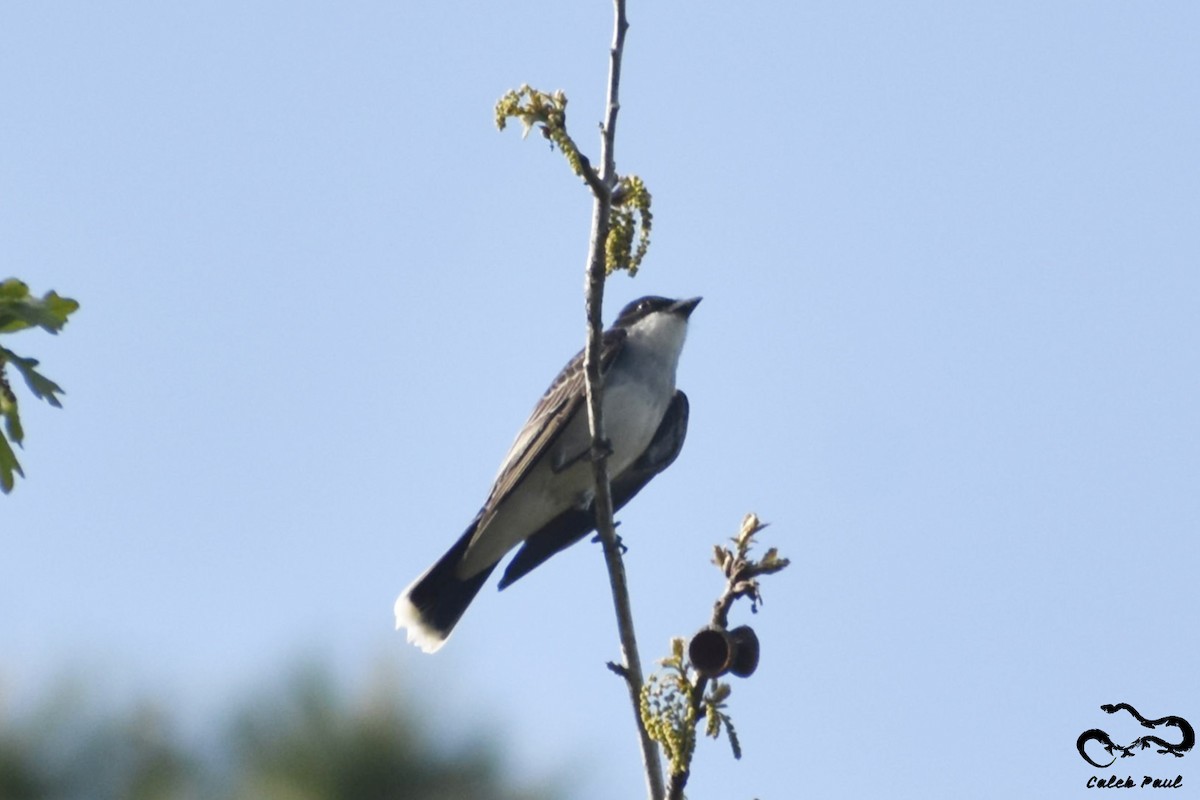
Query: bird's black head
pixel 640 309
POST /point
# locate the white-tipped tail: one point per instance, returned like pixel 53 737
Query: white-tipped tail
pixel 432 604
pixel 408 617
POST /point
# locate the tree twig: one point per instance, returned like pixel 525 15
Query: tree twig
pixel 741 580
pixel 631 666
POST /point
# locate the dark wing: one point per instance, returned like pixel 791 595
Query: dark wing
pixel 572 525
pixel 551 416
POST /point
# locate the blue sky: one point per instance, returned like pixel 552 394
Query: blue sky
pixel 948 348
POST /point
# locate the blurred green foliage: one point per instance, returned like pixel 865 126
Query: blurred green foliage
pixel 305 741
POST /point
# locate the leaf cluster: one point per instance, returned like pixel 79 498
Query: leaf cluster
pixel 20 310
pixel 630 220
pixel 677 697
pixel 714 713
pixel 546 111
pixel 667 710
pixel 671 708
pixel 630 216
pixel 742 572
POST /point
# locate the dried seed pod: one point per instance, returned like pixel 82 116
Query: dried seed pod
pixel 711 652
pixel 744 659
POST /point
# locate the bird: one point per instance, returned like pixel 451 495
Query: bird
pixel 543 495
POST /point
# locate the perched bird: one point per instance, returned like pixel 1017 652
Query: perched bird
pixel 542 498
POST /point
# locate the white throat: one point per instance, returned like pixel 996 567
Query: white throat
pixel 660 336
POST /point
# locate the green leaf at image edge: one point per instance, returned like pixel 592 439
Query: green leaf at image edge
pixel 9 466
pixel 20 310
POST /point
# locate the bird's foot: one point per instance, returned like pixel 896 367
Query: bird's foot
pixel 602 449
pixel 620 542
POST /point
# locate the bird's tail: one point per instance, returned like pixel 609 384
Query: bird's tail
pixel 432 605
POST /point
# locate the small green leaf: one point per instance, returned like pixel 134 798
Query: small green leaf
pixel 42 387
pixel 712 723
pixel 9 466
pixel 8 407
pixel 720 693
pixel 20 310
pixel 12 421
pixel 734 744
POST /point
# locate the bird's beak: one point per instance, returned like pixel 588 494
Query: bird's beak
pixel 684 308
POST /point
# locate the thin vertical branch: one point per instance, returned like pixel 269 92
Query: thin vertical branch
pixel 631 666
